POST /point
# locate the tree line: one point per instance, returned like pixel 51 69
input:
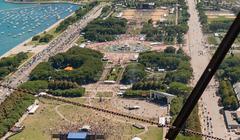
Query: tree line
pixel 12 108
pixel 78 15
pixel 219 26
pixel 229 74
pixel 43 39
pixel 228 96
pixel 202 16
pixel 10 64
pixel 76 92
pixel 105 30
pixel 164 32
pixel 230 69
pixel 56 88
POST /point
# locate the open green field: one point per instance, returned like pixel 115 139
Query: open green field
pixel 154 133
pixel 47 120
pixel 219 18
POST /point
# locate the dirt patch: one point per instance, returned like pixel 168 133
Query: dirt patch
pixel 145 15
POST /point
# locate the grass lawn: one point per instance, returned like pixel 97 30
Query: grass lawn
pixel 220 18
pixel 181 137
pixel 113 75
pixel 153 133
pixel 46 121
pixel 171 18
pixel 77 99
pixel 212 40
pixel 130 132
pixel 158 76
pixel 40 125
pixel 37 126
pixel 80 40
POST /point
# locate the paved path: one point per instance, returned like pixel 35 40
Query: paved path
pixel 199 62
pixel 61 115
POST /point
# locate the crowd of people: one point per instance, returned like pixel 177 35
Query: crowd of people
pixel 207 120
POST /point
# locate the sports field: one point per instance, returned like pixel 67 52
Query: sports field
pixel 145 15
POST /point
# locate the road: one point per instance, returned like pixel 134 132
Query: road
pixel 211 120
pixel 61 44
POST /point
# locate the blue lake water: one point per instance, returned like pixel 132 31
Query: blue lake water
pixel 19 22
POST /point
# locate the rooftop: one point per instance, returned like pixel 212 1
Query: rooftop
pixel 230 119
pixel 77 135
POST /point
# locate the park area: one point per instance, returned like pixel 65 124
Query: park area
pixel 64 118
pixel 137 17
pixel 218 24
pixel 220 16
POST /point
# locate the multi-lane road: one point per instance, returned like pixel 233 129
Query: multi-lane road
pixel 61 44
pixel 211 120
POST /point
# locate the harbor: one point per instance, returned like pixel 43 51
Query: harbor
pixel 21 23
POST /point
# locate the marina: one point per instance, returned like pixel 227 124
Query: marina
pixel 18 24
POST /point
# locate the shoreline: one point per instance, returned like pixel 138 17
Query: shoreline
pixel 41 2
pixel 21 47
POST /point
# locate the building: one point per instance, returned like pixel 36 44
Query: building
pixel 162 120
pixel 32 108
pixel 78 136
pixel 145 5
pixel 230 119
pixel 83 45
pixel 109 82
pixel 160 95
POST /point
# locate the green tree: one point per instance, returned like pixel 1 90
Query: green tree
pixel 179 89
pixel 170 49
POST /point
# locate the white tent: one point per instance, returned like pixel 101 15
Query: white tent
pixel 136 138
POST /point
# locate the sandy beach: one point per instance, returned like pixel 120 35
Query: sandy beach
pixel 22 47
